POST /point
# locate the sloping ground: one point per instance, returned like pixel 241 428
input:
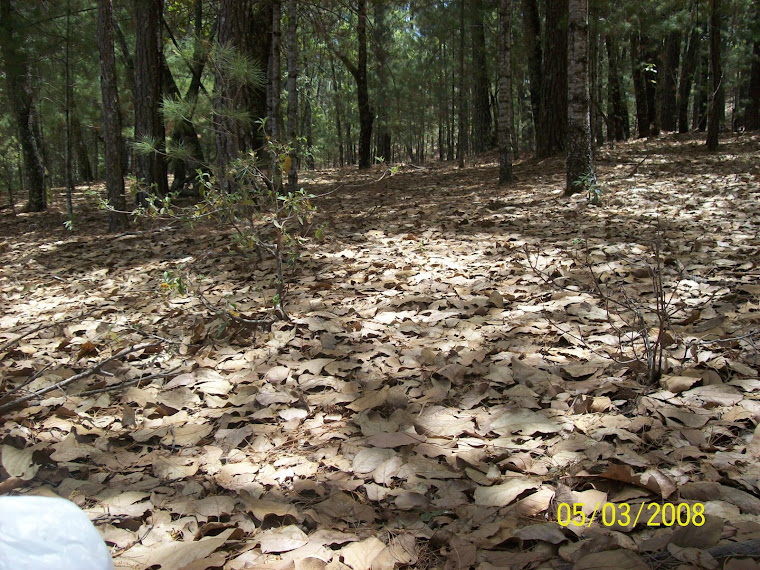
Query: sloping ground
pixel 453 390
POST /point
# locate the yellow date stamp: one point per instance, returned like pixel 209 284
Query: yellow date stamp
pixel 626 514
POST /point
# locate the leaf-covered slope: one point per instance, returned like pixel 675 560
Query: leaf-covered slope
pixel 450 377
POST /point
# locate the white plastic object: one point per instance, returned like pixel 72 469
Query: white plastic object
pixel 45 533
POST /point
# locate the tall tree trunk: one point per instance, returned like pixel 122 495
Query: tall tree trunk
pixel 461 133
pixel 230 134
pixel 481 105
pixel 151 167
pixel 668 81
pixel 18 81
pixel 359 73
pixel 67 98
pixel 701 92
pixel 717 88
pixel 651 65
pixel 639 86
pixel 126 56
pixel 275 71
pixel 505 92
pixel 293 93
pixel 555 78
pixel 114 144
pixel 184 134
pixel 616 107
pixel 307 119
pixel 686 79
pixel 84 168
pixel 338 113
pixel 366 114
pixel 199 53
pixel 580 168
pixel 382 101
pixel 532 25
pixel 595 78
pixel 752 114
pixel 450 143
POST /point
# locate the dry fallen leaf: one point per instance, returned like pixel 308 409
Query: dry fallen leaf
pixel 503 494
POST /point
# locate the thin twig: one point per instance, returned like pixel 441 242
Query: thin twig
pixel 131 382
pixel 84 374
pixel 227 314
pixel 42 326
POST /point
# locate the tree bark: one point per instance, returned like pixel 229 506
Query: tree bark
pixel 150 168
pixel 668 81
pixel 617 109
pixel 18 81
pixel 701 92
pixel 580 168
pixel 481 105
pixel 532 24
pixel 359 73
pixel 235 25
pixel 595 78
pixel 184 134
pixel 639 86
pixel 651 65
pixel 293 93
pixel 84 168
pixel 382 102
pixel 307 121
pixel 114 145
pixel 686 79
pixel 274 110
pixel 505 92
pixel 338 113
pixel 366 114
pixel 555 78
pixel 717 89
pixel 461 133
pixel 752 113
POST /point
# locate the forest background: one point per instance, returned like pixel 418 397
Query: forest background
pixel 380 284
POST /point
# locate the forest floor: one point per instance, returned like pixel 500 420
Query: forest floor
pixel 454 389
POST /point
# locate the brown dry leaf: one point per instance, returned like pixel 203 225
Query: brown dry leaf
pixel 444 422
pixel 741 564
pixel 461 553
pixel 609 559
pixel 169 468
pixel 503 494
pixel 395 439
pixel 401 552
pixel 524 422
pixel 369 459
pixel 678 384
pixel 282 539
pixel 261 508
pixel 18 462
pixel 547 532
pixel 86 349
pixel 753 447
pixel 186 435
pixel 387 470
pixel 175 554
pixel 374 399
pixel 360 555
pixel 70 449
pixel 695 556
pixel 706 535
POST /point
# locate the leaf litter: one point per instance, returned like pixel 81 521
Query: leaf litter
pixel 450 375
